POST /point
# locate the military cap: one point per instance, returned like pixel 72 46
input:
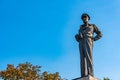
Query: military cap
pixel 84 15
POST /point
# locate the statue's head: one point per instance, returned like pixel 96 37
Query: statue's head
pixel 85 17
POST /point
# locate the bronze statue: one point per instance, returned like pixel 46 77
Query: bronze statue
pixel 86 37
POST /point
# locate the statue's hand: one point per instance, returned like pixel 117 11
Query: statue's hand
pixel 77 37
pixel 96 38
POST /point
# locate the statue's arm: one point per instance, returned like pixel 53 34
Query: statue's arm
pixel 79 35
pixel 98 33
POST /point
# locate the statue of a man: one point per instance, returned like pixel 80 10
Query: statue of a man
pixel 86 37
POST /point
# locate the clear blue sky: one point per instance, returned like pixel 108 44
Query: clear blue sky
pixel 42 32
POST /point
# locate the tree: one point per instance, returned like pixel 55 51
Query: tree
pixel 27 71
pixel 106 79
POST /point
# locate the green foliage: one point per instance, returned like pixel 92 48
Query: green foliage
pixel 106 79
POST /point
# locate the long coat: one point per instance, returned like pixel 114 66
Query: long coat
pixel 86 37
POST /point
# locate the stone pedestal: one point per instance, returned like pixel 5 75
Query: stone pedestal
pixel 86 78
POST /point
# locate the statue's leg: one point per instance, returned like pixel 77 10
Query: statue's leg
pixel 83 62
pixel 88 54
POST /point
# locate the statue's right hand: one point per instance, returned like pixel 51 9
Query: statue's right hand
pixel 77 37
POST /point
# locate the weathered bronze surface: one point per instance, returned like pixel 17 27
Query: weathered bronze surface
pixel 85 37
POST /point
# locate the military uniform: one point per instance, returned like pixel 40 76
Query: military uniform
pixel 86 37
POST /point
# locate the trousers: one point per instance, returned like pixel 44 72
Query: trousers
pixel 86 61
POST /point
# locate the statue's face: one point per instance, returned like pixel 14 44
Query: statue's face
pixel 85 19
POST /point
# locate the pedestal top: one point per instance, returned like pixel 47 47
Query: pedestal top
pixel 86 78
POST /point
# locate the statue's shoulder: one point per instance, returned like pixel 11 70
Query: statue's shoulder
pixel 93 25
pixel 82 25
